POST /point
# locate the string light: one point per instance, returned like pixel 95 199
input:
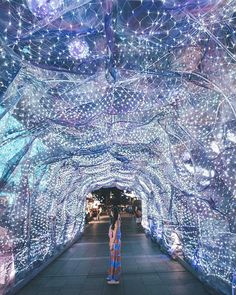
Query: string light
pixel 138 95
pixel 42 8
pixel 78 49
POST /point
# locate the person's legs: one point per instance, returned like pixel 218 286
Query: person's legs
pixel 115 264
pixel 111 266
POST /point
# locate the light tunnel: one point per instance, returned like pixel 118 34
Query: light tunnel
pixel 138 95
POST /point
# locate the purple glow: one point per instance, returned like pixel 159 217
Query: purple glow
pixel 42 8
pixel 78 49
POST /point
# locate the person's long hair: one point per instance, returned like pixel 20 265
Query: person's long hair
pixel 115 211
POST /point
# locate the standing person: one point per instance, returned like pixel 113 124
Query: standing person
pixel 87 216
pixel 138 214
pixel 114 270
pixel 99 213
pixel 110 215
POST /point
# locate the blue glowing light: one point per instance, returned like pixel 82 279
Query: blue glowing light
pixel 134 94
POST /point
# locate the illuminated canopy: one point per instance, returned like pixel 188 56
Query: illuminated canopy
pixel 134 94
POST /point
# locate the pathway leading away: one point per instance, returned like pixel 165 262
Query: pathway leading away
pixel 81 270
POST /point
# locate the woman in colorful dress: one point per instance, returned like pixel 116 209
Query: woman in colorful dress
pixel 114 270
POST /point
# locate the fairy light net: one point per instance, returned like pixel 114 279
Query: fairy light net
pixel 134 94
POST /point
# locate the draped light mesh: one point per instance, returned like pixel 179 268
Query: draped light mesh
pixel 134 94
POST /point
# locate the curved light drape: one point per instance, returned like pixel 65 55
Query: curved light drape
pixel 145 101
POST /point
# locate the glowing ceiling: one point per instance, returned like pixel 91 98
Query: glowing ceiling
pixel 133 94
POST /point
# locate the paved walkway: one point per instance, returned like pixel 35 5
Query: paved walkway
pixel 81 270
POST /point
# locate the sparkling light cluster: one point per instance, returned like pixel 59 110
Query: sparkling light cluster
pixel 43 8
pixel 78 49
pixel 135 94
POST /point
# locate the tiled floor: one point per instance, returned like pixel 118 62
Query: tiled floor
pixel 81 270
